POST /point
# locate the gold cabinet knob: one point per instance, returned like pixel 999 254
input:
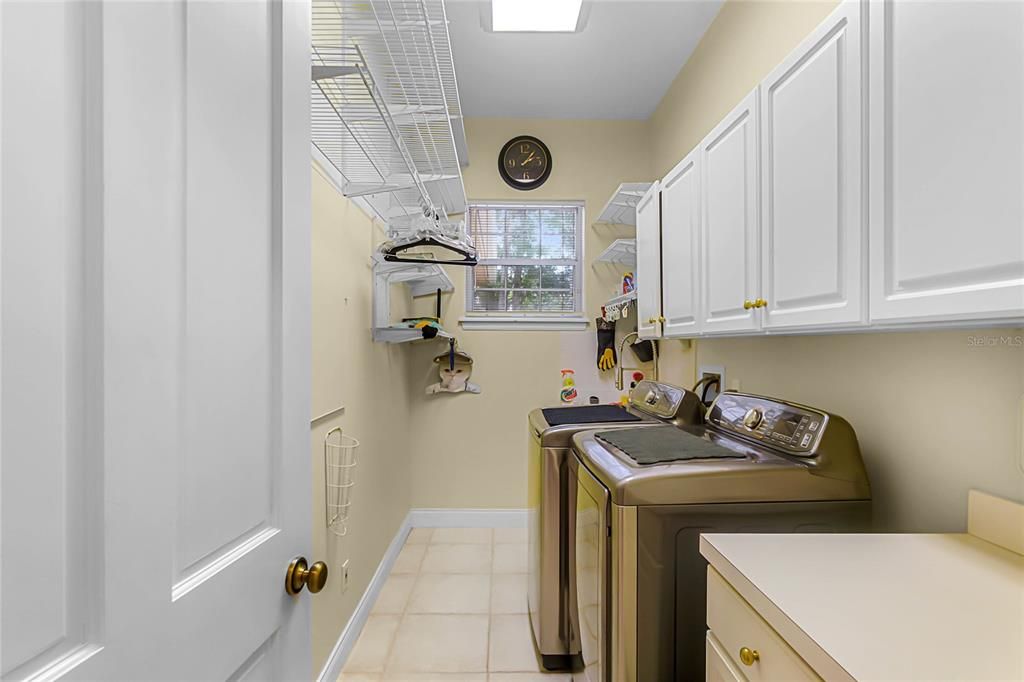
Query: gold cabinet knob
pixel 749 656
pixel 661 318
pixel 760 303
pixel 747 305
pixel 300 574
pixel 652 320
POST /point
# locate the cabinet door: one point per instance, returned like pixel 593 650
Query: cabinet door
pixel 648 264
pixel 717 664
pixel 680 243
pixel 728 226
pixel 812 231
pixel 947 160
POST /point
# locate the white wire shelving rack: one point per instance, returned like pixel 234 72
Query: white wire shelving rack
pixel 621 208
pixel 385 106
pixel 619 252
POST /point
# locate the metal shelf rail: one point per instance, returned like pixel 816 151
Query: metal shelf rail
pixel 386 105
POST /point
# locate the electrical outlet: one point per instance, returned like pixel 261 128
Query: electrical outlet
pixel 344 576
pixel 717 371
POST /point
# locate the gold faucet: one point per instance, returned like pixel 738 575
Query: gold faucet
pixel 622 368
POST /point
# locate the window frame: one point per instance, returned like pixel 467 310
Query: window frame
pixel 567 319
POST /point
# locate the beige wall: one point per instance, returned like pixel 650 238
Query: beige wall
pixel 470 449
pixel 935 416
pixel 371 380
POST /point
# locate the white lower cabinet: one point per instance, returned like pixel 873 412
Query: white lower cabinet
pixel 680 247
pixel 718 666
pixel 947 160
pixel 728 222
pixel 648 264
pixel 812 230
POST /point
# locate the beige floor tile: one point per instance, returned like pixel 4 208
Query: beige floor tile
pixel 528 677
pixel 508 593
pixel 359 677
pixel 395 593
pixel 450 593
pixel 510 558
pixel 462 536
pixel 419 536
pixel 510 535
pixel 409 559
pixel 457 559
pixel 511 646
pixel 436 677
pixel 371 650
pixel 439 644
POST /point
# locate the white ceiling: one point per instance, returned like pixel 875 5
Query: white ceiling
pixel 618 67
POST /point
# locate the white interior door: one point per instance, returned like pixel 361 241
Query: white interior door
pixel 812 232
pixel 648 264
pixel 947 160
pixel 154 339
pixel 680 247
pixel 729 226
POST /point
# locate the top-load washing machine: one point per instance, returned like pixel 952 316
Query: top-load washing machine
pixel 550 525
pixel 644 496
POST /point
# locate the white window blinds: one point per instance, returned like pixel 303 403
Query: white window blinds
pixel 530 259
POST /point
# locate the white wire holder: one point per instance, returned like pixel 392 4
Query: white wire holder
pixel 339 475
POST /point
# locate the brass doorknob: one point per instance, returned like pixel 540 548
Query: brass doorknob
pixel 749 656
pixel 302 574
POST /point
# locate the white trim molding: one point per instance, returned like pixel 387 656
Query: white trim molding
pixel 468 518
pixel 524 323
pixel 416 518
pixel 350 633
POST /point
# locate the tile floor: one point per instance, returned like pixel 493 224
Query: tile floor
pixel 452 610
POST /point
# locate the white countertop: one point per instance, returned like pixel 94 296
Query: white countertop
pixel 884 607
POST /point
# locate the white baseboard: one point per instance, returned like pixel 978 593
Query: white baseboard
pixel 468 518
pixel 416 518
pixel 350 634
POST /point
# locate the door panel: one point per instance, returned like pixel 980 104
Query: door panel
pixel 155 339
pixel 680 235
pixel 729 226
pixel 648 264
pixel 51 461
pixel 812 232
pixel 947 160
pixel 591 572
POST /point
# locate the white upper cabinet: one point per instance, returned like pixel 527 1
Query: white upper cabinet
pixel 812 228
pixel 728 223
pixel 947 161
pixel 648 264
pixel 680 247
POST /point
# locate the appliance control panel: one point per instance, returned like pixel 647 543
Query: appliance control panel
pixel 660 400
pixel 791 428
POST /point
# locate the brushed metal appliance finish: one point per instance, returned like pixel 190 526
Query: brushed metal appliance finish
pixel 551 517
pixel 647 521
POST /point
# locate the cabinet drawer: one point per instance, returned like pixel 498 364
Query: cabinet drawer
pixel 719 666
pixel 736 625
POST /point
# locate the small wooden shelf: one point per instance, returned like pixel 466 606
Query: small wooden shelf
pixel 621 208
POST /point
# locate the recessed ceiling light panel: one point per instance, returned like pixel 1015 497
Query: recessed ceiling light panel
pixel 535 15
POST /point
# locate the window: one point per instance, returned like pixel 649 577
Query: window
pixel 530 259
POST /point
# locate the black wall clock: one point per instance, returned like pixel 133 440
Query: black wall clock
pixel 524 162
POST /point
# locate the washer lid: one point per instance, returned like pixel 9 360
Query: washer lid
pixel 752 472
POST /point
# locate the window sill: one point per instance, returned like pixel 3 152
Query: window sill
pixel 559 324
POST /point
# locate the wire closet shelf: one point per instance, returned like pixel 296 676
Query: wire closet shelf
pixel 339 474
pixel 385 105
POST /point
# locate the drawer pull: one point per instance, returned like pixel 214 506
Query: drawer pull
pixel 749 656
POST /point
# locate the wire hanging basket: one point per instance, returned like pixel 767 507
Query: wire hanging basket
pixel 339 471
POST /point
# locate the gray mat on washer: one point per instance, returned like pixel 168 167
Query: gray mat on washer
pixel 654 444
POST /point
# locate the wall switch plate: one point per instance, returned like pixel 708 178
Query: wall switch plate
pixel 344 576
pixel 716 371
